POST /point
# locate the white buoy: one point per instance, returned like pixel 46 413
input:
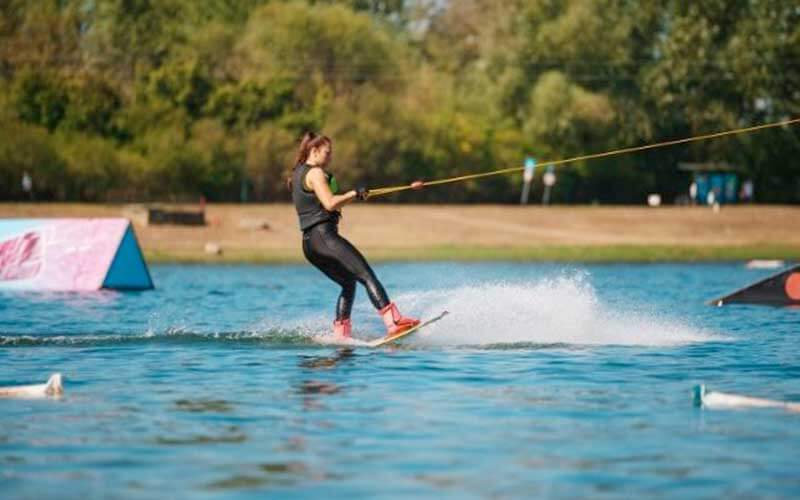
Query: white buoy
pixel 765 264
pixel 721 400
pixel 53 388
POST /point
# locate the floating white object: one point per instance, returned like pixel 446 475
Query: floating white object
pixel 721 400
pixel 765 264
pixel 53 388
pixel 71 255
pixel 654 200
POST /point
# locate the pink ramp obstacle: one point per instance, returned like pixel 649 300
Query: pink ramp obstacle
pixel 71 254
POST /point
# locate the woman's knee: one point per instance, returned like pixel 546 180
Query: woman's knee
pixel 366 277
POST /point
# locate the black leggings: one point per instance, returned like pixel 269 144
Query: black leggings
pixel 344 264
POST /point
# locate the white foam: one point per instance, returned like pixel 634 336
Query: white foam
pixel 564 310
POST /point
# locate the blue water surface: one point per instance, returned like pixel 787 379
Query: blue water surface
pixel 545 380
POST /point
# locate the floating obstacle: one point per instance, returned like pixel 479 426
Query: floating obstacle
pixel 52 388
pixel 71 255
pixel 721 400
pixel 765 264
pixel 782 289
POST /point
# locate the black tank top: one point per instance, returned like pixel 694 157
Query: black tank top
pixel 309 209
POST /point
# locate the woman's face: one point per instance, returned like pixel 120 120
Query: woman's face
pixel 320 155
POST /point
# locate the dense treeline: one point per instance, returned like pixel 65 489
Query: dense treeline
pixel 115 100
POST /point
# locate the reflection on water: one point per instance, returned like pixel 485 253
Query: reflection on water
pixel 310 388
pixel 201 406
pixel 229 434
pixel 326 362
pixel 273 475
pixel 314 387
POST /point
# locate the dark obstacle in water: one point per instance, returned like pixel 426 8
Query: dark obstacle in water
pixel 782 289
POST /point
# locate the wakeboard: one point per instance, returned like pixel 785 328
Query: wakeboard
pixel 388 340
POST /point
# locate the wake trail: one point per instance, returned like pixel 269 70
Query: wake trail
pixel 560 311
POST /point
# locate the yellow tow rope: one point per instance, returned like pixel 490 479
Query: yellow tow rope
pixel 419 184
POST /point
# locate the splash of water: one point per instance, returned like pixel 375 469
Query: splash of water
pixel 563 310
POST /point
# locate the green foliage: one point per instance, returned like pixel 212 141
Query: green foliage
pixel 269 155
pixel 145 99
pixel 218 170
pixel 295 40
pixel 182 84
pixel 40 98
pixel 562 113
pixel 93 105
pixel 394 8
pixel 248 104
pixel 25 148
pixel 93 169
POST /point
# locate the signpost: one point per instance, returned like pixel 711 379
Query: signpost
pixel 527 178
pixel 549 180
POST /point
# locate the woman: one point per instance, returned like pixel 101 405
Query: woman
pixel 314 192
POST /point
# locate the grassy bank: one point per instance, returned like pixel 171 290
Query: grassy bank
pixel 599 254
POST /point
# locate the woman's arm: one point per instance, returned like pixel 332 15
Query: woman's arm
pixel 317 181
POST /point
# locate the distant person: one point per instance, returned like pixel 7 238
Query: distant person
pixel 27 184
pixel 693 192
pixel 314 192
pixel 746 193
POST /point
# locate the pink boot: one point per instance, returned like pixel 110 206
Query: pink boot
pixel 394 321
pixel 342 328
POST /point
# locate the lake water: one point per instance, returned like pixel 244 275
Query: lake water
pixel 545 380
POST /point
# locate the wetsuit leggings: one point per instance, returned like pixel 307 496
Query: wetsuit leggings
pixel 344 264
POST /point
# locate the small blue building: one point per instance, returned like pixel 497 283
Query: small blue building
pixel 720 177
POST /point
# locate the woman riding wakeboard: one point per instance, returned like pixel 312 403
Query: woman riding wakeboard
pixel 314 193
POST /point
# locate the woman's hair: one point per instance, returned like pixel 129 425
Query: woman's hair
pixel 309 142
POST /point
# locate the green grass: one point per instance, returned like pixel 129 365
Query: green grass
pixel 569 253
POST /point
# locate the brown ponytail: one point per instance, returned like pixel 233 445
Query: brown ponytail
pixel 310 141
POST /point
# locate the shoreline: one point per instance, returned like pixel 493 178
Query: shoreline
pixel 269 234
pixel 594 254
